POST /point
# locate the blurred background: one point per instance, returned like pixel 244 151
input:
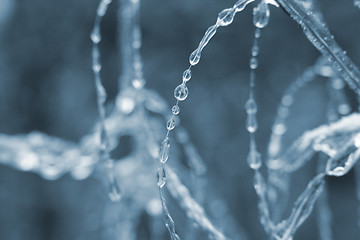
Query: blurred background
pixel 46 84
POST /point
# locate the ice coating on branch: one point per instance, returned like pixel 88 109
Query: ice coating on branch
pixel 305 146
pixel 225 18
pixel 193 209
pixel 343 161
pixel 261 15
pixel 318 34
pixel 324 216
pixel 302 209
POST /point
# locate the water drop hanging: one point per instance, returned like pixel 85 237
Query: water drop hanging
pixel 181 92
pixel 261 15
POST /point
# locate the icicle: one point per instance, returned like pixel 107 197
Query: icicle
pixel 261 15
pixel 343 161
pixel 161 177
pixel 164 150
pixel 114 191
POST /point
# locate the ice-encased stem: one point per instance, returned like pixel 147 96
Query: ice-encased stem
pixel 193 210
pixel 302 208
pixel 323 209
pixel 225 18
pixel 323 40
pixel 104 153
pixel 130 42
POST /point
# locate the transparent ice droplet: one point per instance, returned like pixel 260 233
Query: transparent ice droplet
pixel 138 83
pixel 114 190
pixel 95 36
pixel 226 17
pixel 181 92
pixel 195 57
pixel 257 33
pixel 251 123
pixel 254 159
pixel 261 15
pixel 164 150
pixel 170 125
pixel 175 109
pixel 253 63
pixel 255 50
pixel 186 75
pixel 251 106
pixel 161 177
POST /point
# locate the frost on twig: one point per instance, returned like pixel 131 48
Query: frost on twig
pixel 319 35
pixel 191 207
pixel 326 138
pixel 301 210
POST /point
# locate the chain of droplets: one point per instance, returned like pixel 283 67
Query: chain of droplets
pixel 95 36
pixel 278 181
pixel 181 92
pixel 261 15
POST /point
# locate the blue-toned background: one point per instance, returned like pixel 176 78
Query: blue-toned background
pixel 46 84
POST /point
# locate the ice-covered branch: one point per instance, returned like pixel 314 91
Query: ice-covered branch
pixel 301 210
pixel 323 40
pixel 191 207
pixel 326 138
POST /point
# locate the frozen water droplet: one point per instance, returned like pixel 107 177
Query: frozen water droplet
pixel 161 177
pixel 251 106
pixel 175 109
pixel 164 150
pixel 195 57
pixel 279 128
pixel 101 93
pixel 287 100
pixel 255 50
pixel 344 109
pixel 126 104
pixel 261 15
pixel 226 17
pixel 259 184
pixel 181 92
pixel 253 63
pixel 254 159
pixel 251 123
pixel 337 83
pixel 170 125
pixel 186 75
pixel 96 67
pixel 257 33
pixel 138 83
pixel 114 193
pixel 95 36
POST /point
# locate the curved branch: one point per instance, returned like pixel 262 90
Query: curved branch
pixel 319 35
